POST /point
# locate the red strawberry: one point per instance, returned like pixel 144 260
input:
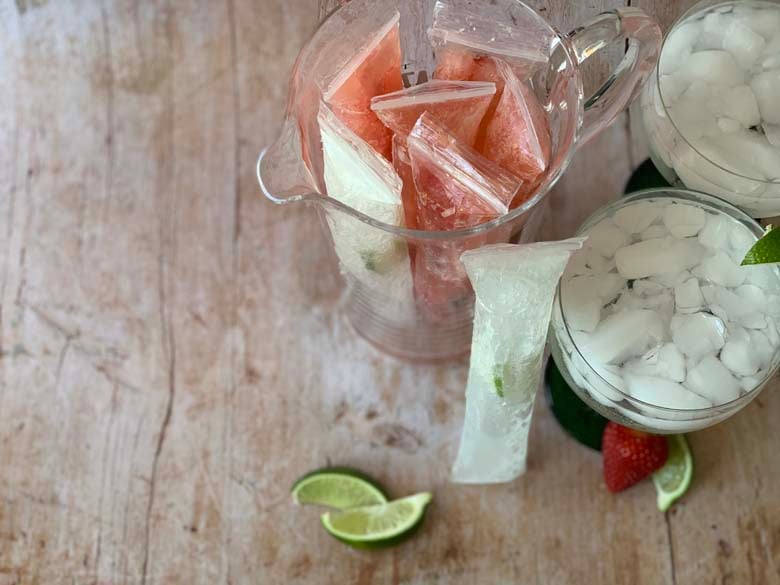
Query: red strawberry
pixel 630 456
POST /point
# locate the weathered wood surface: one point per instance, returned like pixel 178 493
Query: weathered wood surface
pixel 174 356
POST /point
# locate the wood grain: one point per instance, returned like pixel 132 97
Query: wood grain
pixel 174 354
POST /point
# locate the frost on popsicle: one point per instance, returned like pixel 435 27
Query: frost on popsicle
pixel 360 178
pixel 514 287
pixel 457 188
pixel 515 131
pixel 375 69
pixel 458 105
pixel 659 303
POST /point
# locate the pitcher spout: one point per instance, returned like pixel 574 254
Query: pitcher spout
pixel 282 172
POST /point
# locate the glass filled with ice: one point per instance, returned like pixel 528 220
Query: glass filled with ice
pixel 711 111
pixel 656 324
pixel 421 129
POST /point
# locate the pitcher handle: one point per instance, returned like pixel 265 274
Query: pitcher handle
pixel 621 87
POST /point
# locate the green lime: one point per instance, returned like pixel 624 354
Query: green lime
pixel 673 479
pixel 380 525
pixel 338 487
pixel 766 250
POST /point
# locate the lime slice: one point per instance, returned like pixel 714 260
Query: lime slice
pixel 338 487
pixel 673 479
pixel 378 526
pixel 766 250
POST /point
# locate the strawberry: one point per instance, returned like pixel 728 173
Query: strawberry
pixel 630 456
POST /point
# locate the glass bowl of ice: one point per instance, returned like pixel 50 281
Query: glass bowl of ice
pixel 711 112
pixel 656 325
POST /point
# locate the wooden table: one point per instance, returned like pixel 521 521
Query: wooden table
pixel 174 354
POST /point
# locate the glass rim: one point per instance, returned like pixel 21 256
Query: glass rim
pixel 663 192
pixel 696 8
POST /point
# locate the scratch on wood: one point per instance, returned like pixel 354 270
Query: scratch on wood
pixel 109 428
pixel 109 178
pixel 168 232
pixel 672 568
pixel 10 227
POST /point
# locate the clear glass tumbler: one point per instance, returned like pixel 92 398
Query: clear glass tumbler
pixel 382 304
pixel 597 385
pixel 722 159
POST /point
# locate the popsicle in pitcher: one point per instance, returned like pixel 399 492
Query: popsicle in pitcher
pixel 457 188
pixel 359 177
pixel 458 105
pixel 374 70
pixel 515 132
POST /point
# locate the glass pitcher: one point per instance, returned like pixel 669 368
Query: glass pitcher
pixel 385 303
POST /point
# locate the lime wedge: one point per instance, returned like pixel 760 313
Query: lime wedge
pixel 378 526
pixel 766 250
pixel 673 479
pixel 338 487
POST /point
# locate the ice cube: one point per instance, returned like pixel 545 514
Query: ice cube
pixel 772 133
pixel 735 306
pixel 749 383
pixel 658 256
pixel 765 22
pixel 583 296
pixel 728 126
pixel 688 297
pixel 654 231
pixel 608 382
pixel 683 220
pixel 763 276
pixel 671 279
pixel 720 269
pixel 759 343
pixel 771 332
pixel 754 320
pixel 772 48
pixel 737 103
pixel 457 105
pixel 766 86
pixel 647 288
pixel 514 288
pixel 711 36
pixel 697 172
pixel 664 393
pixel 715 232
pixel 671 88
pixel 711 379
pixel 739 357
pixel 752 295
pixel 714 67
pixel 623 335
pixel 636 217
pixel 690 113
pixel 605 237
pixel 748 153
pixel 698 334
pixel 665 361
pixel 582 306
pixel 741 239
pixel 678 46
pixel 744 44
